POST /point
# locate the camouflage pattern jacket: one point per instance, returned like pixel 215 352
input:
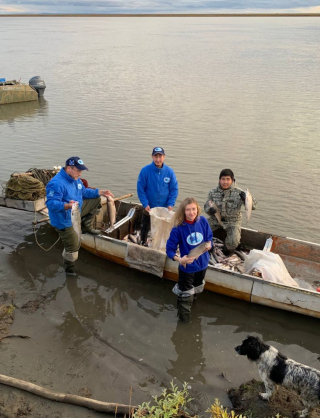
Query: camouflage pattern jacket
pixel 229 204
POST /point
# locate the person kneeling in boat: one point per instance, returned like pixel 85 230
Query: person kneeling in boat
pixel 64 189
pixel 224 208
pixel 190 231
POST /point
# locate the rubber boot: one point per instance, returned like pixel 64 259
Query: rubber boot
pixel 184 308
pixel 226 251
pixel 144 236
pixel 86 225
pixel 69 267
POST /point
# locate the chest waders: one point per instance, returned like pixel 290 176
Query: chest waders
pixel 184 305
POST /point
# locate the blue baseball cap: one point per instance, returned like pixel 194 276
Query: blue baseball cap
pixel 158 150
pixel 76 162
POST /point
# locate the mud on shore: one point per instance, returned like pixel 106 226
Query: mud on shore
pixel 246 401
pixel 15 403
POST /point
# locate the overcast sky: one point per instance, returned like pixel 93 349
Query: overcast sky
pixel 159 6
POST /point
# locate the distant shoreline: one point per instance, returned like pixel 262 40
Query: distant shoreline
pixel 168 15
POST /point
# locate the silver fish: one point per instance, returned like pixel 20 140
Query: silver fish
pixel 240 254
pixel 240 269
pixel 111 210
pixel 219 253
pixel 248 204
pixel 214 257
pixel 217 213
pixel 76 219
pixel 199 250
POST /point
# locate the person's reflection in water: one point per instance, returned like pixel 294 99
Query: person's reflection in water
pixel 190 362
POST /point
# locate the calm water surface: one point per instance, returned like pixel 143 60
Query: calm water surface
pixel 242 93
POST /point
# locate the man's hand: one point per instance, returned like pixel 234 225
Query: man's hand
pixel 105 193
pixel 243 196
pixel 69 205
pixel 169 208
pixel 147 208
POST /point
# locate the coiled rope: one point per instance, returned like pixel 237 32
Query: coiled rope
pixel 29 186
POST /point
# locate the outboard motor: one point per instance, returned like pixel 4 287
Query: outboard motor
pixel 38 83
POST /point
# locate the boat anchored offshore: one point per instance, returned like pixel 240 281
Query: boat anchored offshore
pixel 13 91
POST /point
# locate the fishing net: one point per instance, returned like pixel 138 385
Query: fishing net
pixel 42 174
pixel 28 186
pixel 161 225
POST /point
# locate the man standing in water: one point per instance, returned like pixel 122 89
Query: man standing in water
pixel 157 187
pixel 64 189
pixel 227 199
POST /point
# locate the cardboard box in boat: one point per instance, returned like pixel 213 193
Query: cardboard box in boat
pixel 28 205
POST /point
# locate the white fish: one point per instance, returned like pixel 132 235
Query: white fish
pixel 218 213
pixel 111 211
pixel 76 219
pixel 248 204
pixel 200 249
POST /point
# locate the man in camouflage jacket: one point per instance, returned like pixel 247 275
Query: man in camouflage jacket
pixel 228 199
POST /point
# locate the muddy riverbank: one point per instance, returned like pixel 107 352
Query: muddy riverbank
pixel 246 401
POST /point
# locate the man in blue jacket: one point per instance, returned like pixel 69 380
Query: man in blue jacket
pixel 64 189
pixel 157 187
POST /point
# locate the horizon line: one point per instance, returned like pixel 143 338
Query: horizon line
pixel 160 15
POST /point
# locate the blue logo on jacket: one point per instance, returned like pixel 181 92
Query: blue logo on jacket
pixel 166 179
pixel 79 186
pixel 195 238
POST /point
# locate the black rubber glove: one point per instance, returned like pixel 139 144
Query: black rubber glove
pixel 212 211
pixel 243 196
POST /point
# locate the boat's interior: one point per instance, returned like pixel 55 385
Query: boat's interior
pixel 122 210
pixel 302 259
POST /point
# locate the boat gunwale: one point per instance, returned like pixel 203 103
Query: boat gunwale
pixel 233 273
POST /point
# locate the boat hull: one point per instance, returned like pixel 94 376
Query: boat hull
pixel 17 93
pixel 232 284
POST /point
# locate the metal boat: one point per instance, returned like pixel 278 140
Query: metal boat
pixel 301 258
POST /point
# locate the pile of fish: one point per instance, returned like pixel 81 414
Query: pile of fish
pixel 234 262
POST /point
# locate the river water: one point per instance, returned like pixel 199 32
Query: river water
pixel 239 93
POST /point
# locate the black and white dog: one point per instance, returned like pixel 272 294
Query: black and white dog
pixel 276 369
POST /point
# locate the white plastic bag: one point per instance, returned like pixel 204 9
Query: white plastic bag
pixel 161 224
pixel 270 266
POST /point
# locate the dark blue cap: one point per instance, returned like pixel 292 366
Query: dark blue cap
pixel 76 162
pixel 158 150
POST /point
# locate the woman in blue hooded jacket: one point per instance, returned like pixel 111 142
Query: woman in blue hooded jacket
pixel 190 230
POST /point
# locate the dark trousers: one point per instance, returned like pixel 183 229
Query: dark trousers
pixel 189 280
pixel 193 282
pixel 145 225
